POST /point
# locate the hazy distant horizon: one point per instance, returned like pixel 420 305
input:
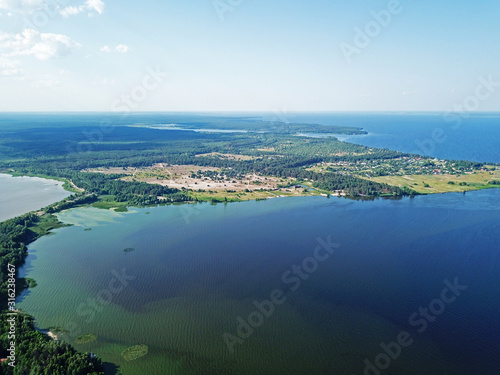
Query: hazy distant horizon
pixel 250 56
pixel 247 112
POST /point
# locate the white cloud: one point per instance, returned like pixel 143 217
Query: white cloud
pixel 91 6
pixel 9 67
pixel 21 5
pixel 96 5
pixel 43 46
pixel 122 48
pixel 71 11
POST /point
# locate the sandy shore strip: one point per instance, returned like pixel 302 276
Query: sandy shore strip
pixel 52 335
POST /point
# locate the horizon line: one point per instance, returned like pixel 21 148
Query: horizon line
pixel 241 112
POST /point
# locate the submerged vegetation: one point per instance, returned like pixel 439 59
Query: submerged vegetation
pixel 135 352
pixel 86 339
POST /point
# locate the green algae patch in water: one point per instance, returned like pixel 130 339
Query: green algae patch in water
pixel 135 352
pixel 86 339
pixel 25 283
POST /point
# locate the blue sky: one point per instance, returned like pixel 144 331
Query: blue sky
pixel 247 55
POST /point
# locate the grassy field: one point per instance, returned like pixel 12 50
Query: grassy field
pixel 431 184
pixel 220 196
pixel 107 202
pixel 47 223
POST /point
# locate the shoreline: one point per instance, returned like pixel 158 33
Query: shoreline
pixel 224 197
pixel 67 184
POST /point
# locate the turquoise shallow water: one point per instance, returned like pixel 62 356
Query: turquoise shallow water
pixel 20 195
pixel 192 270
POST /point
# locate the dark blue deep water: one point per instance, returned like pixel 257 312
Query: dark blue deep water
pixel 197 268
pixel 475 137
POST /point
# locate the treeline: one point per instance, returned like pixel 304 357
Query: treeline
pixel 133 192
pixel 124 191
pixel 355 187
pixel 14 235
pixel 277 155
pixel 70 202
pixel 36 354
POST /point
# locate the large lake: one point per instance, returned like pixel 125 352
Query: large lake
pixel 192 270
pixel 20 195
pixel 197 268
pixel 474 136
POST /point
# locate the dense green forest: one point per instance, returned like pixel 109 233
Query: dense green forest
pixel 66 152
pixel 35 353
